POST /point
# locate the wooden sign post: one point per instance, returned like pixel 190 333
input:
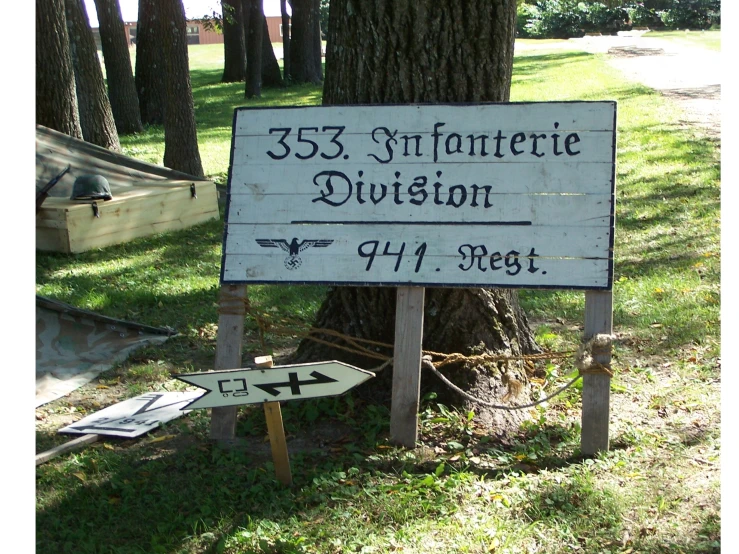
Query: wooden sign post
pixel 276 432
pixel 228 389
pixel 477 195
pixel 232 308
pixel 596 388
pixel 407 366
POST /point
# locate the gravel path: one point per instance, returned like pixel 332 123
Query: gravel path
pixel 689 75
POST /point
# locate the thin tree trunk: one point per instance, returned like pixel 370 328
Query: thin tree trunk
pixel 271 76
pixel 317 41
pixel 234 46
pixel 253 15
pixel 305 58
pixel 56 101
pixel 180 134
pixel 150 65
pixel 96 116
pixel 285 40
pixel 121 86
pixel 427 51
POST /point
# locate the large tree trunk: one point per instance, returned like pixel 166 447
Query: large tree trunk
pixel 150 78
pixel 428 51
pixel 56 101
pixel 96 117
pixel 253 29
pixel 305 42
pixel 180 134
pixel 234 46
pixel 271 76
pixel 121 86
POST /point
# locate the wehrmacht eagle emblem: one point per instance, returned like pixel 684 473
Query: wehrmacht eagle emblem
pixel 293 261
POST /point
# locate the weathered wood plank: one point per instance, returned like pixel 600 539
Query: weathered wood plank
pixel 358 153
pixel 596 387
pixel 448 269
pixel 463 205
pixel 229 341
pixel 407 366
pixel 409 118
pixel 441 240
pixel 79 442
pixel 261 177
pixel 276 432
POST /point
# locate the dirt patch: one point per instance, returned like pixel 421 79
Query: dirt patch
pixel 631 51
pixel 689 76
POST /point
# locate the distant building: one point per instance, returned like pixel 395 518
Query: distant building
pixel 197 33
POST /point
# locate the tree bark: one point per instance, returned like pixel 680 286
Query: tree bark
pixel 234 46
pixel 150 78
pixel 56 100
pixel 271 76
pixel 96 116
pixel 305 42
pixel 428 51
pixel 180 133
pixel 285 39
pixel 121 86
pixel 253 15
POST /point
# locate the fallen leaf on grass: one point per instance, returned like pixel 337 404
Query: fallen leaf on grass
pixel 162 438
pixel 81 476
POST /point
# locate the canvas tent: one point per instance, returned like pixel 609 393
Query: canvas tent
pixel 74 346
pixel 147 198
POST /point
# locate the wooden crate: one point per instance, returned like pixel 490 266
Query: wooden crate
pixel 144 209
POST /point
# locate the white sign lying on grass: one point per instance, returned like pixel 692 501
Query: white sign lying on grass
pixel 135 416
pixel 510 195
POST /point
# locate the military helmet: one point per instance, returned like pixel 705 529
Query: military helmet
pixel 91 187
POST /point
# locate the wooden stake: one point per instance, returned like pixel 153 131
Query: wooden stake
pixel 228 353
pixel 596 388
pixel 276 431
pixel 407 366
pixel 66 447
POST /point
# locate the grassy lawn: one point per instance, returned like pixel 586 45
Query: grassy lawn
pixel 465 489
pixel 710 40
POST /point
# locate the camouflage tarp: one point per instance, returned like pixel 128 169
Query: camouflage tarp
pixel 74 346
pixel 55 151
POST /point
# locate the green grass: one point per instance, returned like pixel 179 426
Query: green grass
pixel 465 489
pixel 710 40
pixel 214 110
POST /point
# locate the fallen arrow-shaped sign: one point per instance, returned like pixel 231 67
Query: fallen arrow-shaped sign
pixel 234 387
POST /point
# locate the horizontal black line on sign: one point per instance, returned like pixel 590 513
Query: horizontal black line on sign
pixel 498 223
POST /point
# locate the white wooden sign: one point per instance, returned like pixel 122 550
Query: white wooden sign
pixel 510 195
pixel 235 387
pixel 135 416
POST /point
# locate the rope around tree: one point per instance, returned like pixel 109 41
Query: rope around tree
pixel 584 356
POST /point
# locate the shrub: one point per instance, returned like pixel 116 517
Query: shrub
pixel 550 19
pixel 600 18
pixel 527 21
pixel 692 14
pixel 570 18
pixel 643 16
